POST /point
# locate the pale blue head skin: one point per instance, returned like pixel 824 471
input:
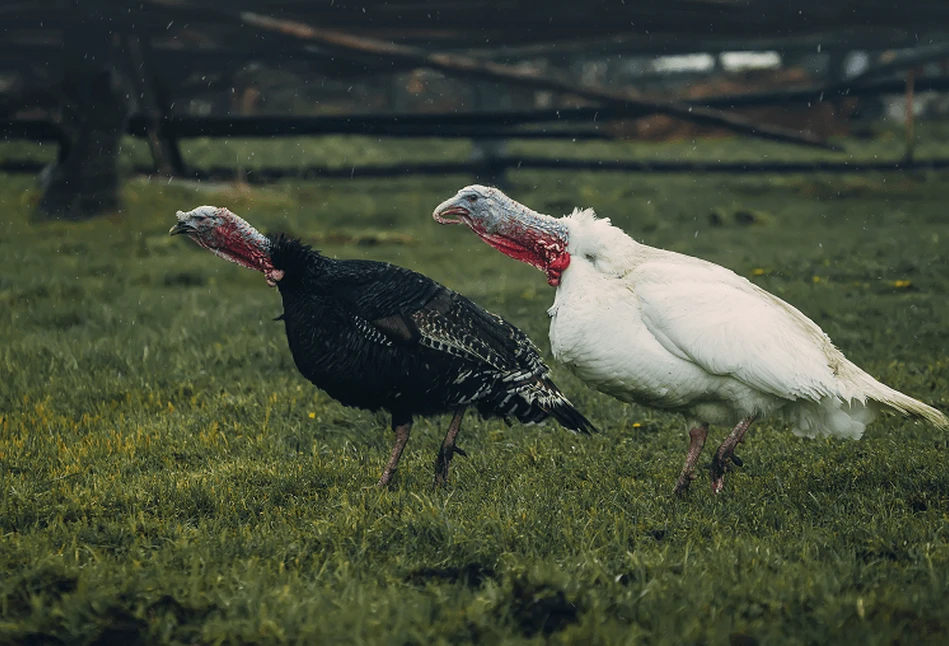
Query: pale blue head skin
pixel 201 219
pixel 212 227
pixel 510 227
pixel 229 236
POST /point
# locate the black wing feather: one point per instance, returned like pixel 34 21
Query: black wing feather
pixel 350 315
pixel 411 308
pixel 376 290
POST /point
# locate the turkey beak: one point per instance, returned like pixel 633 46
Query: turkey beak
pixel 447 209
pixel 179 228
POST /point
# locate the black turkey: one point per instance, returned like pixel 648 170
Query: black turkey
pixel 377 336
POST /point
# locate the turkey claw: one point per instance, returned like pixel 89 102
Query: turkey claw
pixel 682 484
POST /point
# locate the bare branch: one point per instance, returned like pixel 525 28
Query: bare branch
pixel 467 66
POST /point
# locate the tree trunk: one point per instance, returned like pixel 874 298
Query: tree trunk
pixel 154 106
pixel 84 182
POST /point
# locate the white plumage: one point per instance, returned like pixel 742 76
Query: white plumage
pixel 682 333
pixel 679 333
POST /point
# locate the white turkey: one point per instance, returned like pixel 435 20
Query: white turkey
pixel 679 333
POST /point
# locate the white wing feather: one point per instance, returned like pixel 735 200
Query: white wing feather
pixel 728 326
pixel 699 338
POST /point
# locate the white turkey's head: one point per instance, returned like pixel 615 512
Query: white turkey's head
pixel 229 236
pixel 510 227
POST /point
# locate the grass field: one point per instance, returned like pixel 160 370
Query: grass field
pixel 166 476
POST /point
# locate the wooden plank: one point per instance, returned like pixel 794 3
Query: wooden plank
pixel 468 23
pixel 266 175
pixel 161 142
pixel 452 124
pixel 470 67
pixel 42 130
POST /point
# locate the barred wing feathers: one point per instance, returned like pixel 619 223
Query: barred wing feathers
pixel 503 368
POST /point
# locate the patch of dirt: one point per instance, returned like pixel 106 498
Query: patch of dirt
pixel 37 639
pixel 49 581
pixel 542 609
pixel 122 627
pixel 915 623
pixel 741 639
pixel 185 279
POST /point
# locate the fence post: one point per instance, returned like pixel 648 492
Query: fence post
pixel 488 154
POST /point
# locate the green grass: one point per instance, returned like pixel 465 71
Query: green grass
pixel 167 476
pixel 355 151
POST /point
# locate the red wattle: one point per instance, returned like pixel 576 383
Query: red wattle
pixel 236 245
pixel 556 268
pixel 561 262
pixel 532 248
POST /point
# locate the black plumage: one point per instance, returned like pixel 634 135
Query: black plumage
pixel 377 336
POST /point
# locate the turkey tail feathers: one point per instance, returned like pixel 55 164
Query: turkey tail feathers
pixel 544 395
pixel 533 403
pixel 571 418
pixel 910 407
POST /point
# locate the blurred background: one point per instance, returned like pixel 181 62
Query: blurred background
pixel 166 474
pixel 258 91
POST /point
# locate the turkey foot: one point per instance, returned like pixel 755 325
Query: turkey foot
pixel 696 441
pixel 726 452
pixel 448 450
pixel 401 438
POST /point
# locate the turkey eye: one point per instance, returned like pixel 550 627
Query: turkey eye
pixel 472 199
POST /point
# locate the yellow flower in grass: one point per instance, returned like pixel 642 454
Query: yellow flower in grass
pixel 757 271
pixel 312 415
pixel 901 284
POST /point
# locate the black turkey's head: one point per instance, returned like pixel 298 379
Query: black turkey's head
pixel 510 227
pixel 230 237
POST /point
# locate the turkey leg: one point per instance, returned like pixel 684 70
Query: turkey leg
pixel 401 437
pixel 696 441
pixel 726 452
pixel 448 450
